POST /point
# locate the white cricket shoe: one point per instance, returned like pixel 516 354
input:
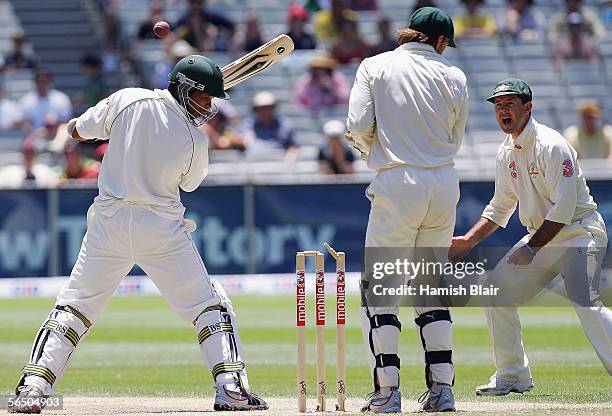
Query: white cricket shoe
pixel 500 387
pixel 236 400
pixel 376 402
pixel 439 398
pixel 27 401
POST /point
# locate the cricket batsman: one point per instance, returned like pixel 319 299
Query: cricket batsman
pixel 538 169
pixel 407 114
pixel 137 218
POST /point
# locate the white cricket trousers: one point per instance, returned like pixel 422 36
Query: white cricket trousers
pixel 134 234
pixel 581 275
pixel 119 237
pixel 410 207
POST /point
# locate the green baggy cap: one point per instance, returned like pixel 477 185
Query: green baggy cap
pixel 433 21
pixel 511 86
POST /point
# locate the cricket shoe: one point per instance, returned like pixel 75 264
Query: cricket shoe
pixel 376 402
pixel 236 400
pixel 439 398
pixel 27 401
pixel 500 387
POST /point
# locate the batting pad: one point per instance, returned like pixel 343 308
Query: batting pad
pixel 220 343
pixel 55 342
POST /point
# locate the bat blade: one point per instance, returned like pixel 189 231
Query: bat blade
pixel 256 61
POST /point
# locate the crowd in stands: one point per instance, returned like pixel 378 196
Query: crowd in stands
pixel 330 27
pixel 48 157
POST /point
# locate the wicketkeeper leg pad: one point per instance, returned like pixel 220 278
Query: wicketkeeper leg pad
pixel 381 329
pixel 220 343
pixel 55 342
pixel 435 330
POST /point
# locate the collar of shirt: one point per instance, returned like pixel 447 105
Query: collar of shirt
pixel 417 47
pixel 171 102
pixel 526 137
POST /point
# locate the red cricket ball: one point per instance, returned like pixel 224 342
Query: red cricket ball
pixel 161 29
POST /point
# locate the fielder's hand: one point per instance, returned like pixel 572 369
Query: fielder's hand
pixel 521 256
pixel 459 248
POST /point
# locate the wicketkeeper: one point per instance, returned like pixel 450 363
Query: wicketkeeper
pixel 407 114
pixel 155 148
pixel 538 169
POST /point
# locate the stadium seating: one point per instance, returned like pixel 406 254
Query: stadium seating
pixel 60 42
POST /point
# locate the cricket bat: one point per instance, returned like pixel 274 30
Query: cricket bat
pixel 256 61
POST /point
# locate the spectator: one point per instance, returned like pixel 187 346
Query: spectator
pixel 313 6
pixel 322 87
pixel 45 100
pixel 112 24
pixel 205 30
pixel 350 46
pixel 100 151
pixel 95 88
pixel 266 128
pixel 606 15
pixel 50 138
pixel 423 3
pixel 19 58
pixel 11 115
pixel 363 5
pixel 576 44
pixel 177 51
pixel 386 42
pixel 77 167
pixel 224 130
pixel 591 24
pixel 253 37
pixel 335 157
pixel 591 139
pixel 296 20
pixel 474 23
pixel 327 23
pixel 29 172
pixel 156 14
pixel 520 21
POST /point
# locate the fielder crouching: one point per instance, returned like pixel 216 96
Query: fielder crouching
pixel 137 219
pixel 538 169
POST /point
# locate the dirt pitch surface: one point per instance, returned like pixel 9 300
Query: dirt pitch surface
pixel 288 406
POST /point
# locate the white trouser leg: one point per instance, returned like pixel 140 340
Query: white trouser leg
pixel 104 259
pixel 434 324
pixel 516 284
pixel 581 276
pixel 168 255
pixel 165 251
pixel 414 208
pixel 505 327
pixel 597 325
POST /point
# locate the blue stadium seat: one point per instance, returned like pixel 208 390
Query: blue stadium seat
pixel 588 91
pixel 582 72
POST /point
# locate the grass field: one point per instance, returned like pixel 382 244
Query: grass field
pixel 141 348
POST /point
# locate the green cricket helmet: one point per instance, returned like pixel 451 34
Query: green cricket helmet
pixel 197 72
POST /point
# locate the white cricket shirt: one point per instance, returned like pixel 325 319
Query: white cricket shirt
pixel 408 107
pixel 153 150
pixel 540 171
